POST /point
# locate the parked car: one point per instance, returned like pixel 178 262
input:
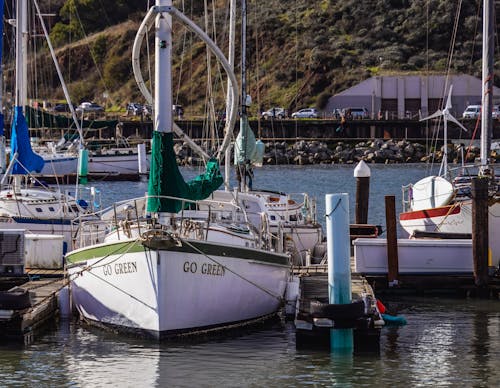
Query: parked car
pixel 135 109
pixel 90 107
pixel 61 108
pixel 309 113
pixel 472 112
pixel 274 113
pixel 355 113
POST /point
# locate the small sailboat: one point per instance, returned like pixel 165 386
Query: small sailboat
pixel 185 264
pixel 440 205
pixel 24 202
pixel 291 217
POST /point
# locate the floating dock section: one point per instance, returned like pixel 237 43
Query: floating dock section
pixel 315 318
pixel 25 309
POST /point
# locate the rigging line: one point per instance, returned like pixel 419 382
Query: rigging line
pixel 123 291
pixel 148 56
pixel 210 108
pixel 451 50
pixel 92 54
pixel 471 62
pixel 89 267
pixel 280 298
pixel 181 64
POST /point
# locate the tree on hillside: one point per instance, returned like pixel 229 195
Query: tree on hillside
pixel 83 17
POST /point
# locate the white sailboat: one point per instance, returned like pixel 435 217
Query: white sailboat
pixel 437 205
pixel 291 219
pixel 56 162
pixel 24 202
pixel 186 264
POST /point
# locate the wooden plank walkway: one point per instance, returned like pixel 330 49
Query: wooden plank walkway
pixel 24 324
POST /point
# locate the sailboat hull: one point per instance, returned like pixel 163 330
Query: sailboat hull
pixel 114 164
pixel 167 291
pixel 59 165
pixel 454 218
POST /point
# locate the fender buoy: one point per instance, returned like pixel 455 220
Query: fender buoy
pixel 393 320
pixel 381 307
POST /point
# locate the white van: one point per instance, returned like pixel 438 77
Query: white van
pixel 472 112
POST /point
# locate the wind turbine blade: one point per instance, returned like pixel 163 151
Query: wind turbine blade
pixel 453 119
pixel 448 101
pixel 437 113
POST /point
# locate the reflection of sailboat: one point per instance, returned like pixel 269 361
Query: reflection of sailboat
pixel 435 204
pixel 86 369
pixel 189 264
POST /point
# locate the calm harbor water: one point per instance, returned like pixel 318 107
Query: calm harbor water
pixel 447 342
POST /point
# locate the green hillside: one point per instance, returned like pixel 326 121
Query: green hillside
pixel 299 52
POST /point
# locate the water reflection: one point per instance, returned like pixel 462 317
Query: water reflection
pixel 103 359
pixel 446 342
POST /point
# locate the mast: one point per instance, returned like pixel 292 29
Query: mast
pixel 242 166
pixel 487 78
pixel 2 136
pixel 243 58
pixel 162 120
pixel 21 43
pixel 232 39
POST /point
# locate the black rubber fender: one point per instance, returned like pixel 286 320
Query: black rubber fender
pixel 350 311
pixel 14 300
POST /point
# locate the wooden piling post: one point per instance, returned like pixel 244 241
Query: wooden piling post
pixel 480 230
pixel 362 174
pixel 392 240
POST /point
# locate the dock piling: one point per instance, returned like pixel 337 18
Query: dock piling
pixel 480 230
pixel 392 241
pixel 339 268
pixel 362 174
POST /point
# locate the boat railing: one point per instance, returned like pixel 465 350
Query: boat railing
pixel 407 197
pixel 119 217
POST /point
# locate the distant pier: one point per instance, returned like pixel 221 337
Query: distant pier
pixel 287 129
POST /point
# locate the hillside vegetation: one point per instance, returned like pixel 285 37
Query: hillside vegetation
pixel 299 52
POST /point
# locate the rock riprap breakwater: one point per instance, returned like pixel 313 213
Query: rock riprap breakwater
pixel 306 152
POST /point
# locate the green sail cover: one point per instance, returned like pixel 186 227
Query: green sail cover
pixel 244 146
pixel 165 178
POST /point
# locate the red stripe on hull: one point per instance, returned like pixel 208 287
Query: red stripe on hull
pixel 430 213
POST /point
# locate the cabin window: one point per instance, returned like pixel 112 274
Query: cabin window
pixel 39 209
pixel 51 209
pixel 293 217
pixel 273 218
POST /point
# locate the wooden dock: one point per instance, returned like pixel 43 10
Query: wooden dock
pixel 459 285
pixel 23 324
pixel 314 331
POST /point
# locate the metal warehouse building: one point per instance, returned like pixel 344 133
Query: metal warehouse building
pixel 398 97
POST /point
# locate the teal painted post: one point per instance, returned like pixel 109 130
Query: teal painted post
pixel 339 268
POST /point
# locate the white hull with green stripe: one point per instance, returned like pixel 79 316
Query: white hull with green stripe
pixel 167 289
